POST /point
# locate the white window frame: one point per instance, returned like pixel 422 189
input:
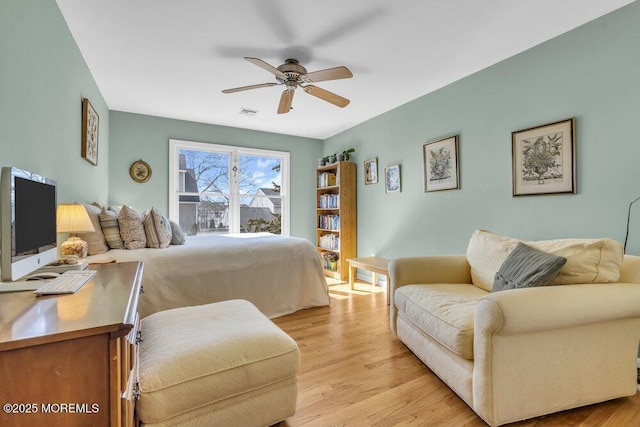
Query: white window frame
pixel 175 145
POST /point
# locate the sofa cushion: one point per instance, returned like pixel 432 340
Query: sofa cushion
pixel 526 267
pixel 443 311
pixel 486 253
pixel 588 260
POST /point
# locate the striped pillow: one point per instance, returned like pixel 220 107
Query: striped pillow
pixel 111 229
pixel 157 229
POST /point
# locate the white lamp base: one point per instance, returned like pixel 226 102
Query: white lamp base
pixel 74 246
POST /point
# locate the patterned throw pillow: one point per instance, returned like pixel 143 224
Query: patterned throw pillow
pixel 157 229
pixel 177 235
pixel 131 229
pixel 95 239
pixel 111 229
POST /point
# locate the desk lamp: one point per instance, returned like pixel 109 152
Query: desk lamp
pixel 73 218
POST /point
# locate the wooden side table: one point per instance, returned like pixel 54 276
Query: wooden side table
pixel 377 265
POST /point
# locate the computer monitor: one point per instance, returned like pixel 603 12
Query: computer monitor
pixel 28 203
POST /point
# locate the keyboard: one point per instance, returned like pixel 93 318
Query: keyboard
pixel 66 283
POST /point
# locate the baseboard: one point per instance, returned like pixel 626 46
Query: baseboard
pixel 367 276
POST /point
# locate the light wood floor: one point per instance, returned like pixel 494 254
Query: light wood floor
pixel 354 372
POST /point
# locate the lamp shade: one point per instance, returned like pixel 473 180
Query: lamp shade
pixel 73 218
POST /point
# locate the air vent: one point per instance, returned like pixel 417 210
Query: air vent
pixel 247 112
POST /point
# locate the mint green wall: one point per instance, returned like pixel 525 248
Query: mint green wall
pixel 43 79
pixel 135 136
pixel 591 73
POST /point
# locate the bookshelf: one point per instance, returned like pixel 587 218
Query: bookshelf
pixel 336 217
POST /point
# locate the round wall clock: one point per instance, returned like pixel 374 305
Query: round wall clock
pixel 140 171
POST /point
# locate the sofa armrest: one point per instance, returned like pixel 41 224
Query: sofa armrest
pixel 429 269
pixel 528 310
pixel 574 345
pixel 425 270
pixel 630 269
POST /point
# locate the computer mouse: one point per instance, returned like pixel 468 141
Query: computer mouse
pixel 48 275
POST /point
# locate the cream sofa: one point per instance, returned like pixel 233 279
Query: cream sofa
pixel 522 353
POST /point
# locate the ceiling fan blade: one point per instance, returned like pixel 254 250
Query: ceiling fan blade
pixel 348 26
pixel 326 96
pixel 275 18
pixel 329 74
pixel 285 101
pixel 241 88
pixel 270 68
pixel 237 51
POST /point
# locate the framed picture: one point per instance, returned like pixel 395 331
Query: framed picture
pixel 371 171
pixel 544 159
pixel 140 171
pixel 392 179
pixel 89 132
pixel 441 165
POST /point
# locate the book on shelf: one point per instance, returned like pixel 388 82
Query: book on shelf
pixel 329 201
pixel 329 242
pixel 329 222
pixel 327 179
pixel 330 261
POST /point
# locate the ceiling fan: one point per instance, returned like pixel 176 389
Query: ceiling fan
pixel 292 74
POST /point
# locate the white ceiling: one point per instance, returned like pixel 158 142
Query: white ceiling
pixel 172 58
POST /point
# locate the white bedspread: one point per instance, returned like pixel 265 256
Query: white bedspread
pixel 279 275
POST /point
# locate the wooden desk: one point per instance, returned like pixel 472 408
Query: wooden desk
pixel 376 265
pixel 66 360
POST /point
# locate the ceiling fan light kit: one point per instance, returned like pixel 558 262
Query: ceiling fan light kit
pixel 292 74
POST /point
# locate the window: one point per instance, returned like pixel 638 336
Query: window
pixel 226 189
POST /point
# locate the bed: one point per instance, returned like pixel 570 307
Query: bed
pixel 278 274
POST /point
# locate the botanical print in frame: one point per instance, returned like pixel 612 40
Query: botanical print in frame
pixel 441 165
pixel 89 132
pixel 371 171
pixel 544 159
pixel 392 179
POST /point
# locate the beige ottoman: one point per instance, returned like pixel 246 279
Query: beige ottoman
pixel 220 364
